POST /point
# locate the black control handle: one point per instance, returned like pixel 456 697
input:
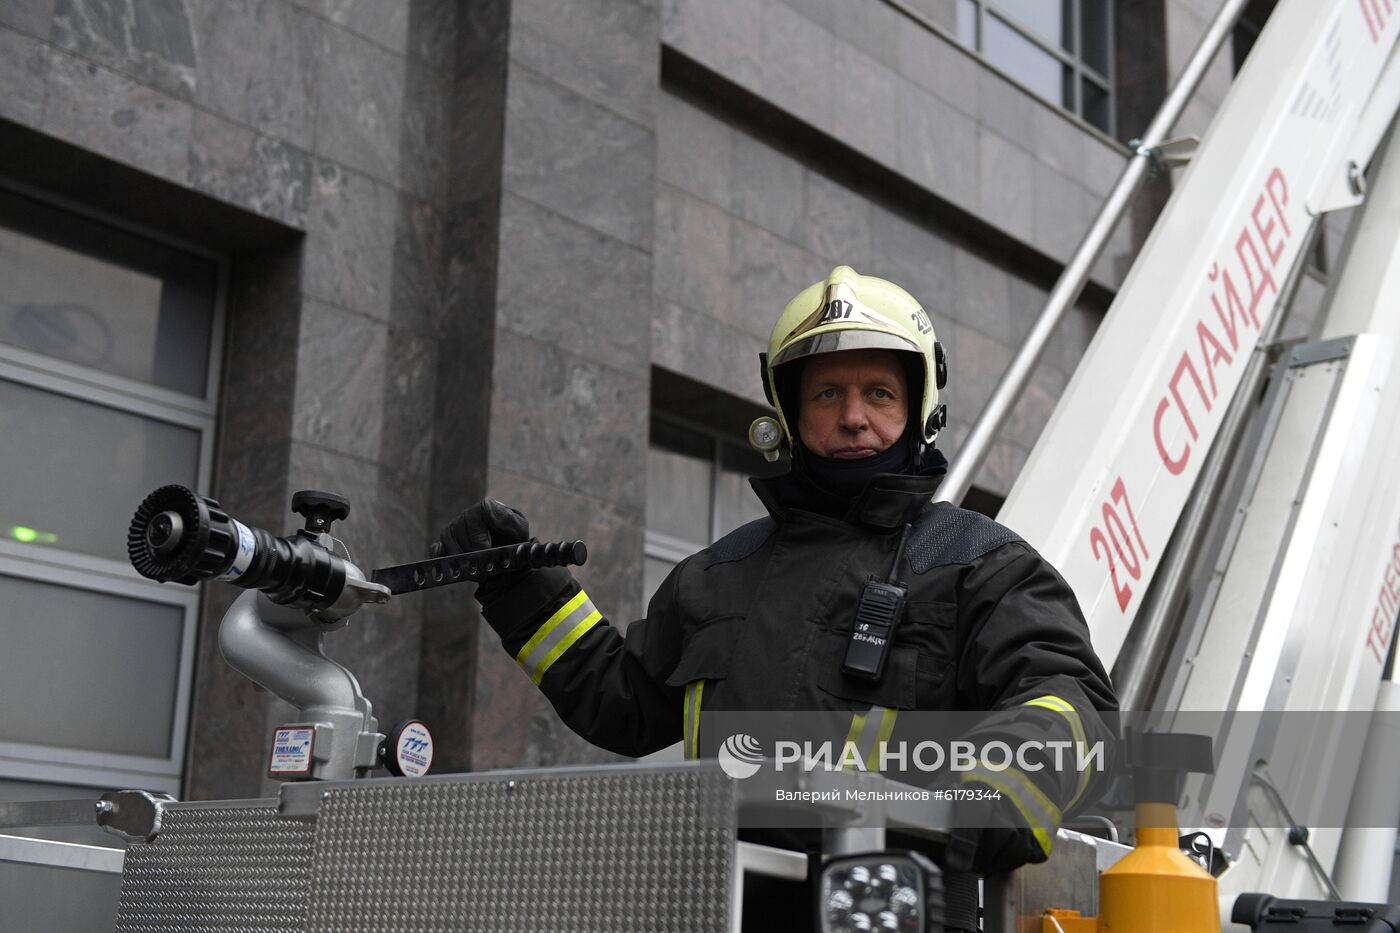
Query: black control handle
pixel 476 566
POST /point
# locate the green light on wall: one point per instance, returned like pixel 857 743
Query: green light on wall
pixel 31 536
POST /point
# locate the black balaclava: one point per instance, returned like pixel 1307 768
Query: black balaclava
pixel 844 479
pixel 847 478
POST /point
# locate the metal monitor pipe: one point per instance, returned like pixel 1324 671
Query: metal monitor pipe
pixel 300 589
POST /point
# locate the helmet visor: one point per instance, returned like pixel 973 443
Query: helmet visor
pixel 846 339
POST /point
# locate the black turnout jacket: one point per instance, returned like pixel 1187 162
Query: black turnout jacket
pixel 760 620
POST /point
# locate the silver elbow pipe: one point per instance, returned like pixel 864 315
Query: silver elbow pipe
pixel 285 660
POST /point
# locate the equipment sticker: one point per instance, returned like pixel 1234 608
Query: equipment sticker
pixel 291 751
pixel 243 557
pixel 414 750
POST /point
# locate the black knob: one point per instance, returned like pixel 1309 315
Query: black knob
pixel 320 508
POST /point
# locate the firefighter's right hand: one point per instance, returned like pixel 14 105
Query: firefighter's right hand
pixel 487 524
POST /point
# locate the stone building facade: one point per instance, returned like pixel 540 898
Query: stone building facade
pixel 486 247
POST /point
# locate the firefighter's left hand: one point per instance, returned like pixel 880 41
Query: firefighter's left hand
pixel 1003 844
pixel 485 524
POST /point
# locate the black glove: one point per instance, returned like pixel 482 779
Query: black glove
pixel 1003 843
pixel 489 523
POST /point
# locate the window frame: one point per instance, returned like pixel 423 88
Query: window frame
pixel 661 546
pixel 47 564
pixel 1080 69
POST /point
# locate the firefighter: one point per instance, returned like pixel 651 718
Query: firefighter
pixel 762 619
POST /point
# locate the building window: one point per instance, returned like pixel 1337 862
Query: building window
pixel 1058 49
pixel 697 491
pixel 109 342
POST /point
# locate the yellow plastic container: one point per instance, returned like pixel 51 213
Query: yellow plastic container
pixel 1156 888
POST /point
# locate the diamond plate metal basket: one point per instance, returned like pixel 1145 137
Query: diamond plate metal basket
pixel 227 866
pixel 588 849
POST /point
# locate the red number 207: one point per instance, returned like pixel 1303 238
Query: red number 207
pixel 1122 545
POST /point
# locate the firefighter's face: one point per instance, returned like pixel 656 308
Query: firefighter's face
pixel 853 402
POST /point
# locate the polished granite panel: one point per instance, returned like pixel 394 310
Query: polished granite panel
pixel 725 34
pixel 937 146
pixel 568 421
pixel 406 432
pixel 692 258
pixel 978 361
pixel 578 158
pixel 1062 211
pixel 385 24
pixel 257 66
pixel 360 103
pixel 837 222
pixel 105 112
pixel 433 33
pixel 603 49
pixel 870 26
pixel 425 130
pixel 768 186
pixel 257 172
pixel 567 284
pixel 350 240
pixel 796 72
pixel 1003 107
pixel 767 271
pixel 694 150
pixel 24 69
pixel 341 369
pixel 418 279
pixel 261 352
pixel 866 113
pixel 1034 406
pixel 1060 143
pixel 152 42
pixel 476 130
pixel 33 17
pixel 983 294
pixel 939 65
pixel 697 345
pixel 1004 196
pixel 916 257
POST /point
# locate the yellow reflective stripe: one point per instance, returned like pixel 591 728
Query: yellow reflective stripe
pixel 567 625
pixel 1042 816
pixel 690 721
pixel 685 719
pixel 574 635
pixel 1081 742
pixel 550 624
pixel 887 718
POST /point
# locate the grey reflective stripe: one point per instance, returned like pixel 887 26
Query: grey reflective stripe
pixel 869 732
pixel 1076 727
pixel 568 624
pixel 1040 814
